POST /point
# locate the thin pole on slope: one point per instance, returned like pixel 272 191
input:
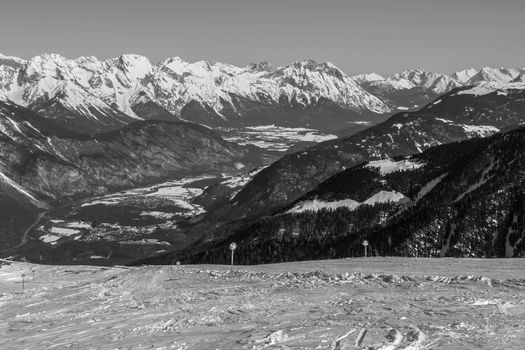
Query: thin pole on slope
pixel 365 244
pixel 23 275
pixel 233 246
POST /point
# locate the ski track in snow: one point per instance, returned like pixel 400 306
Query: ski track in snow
pixel 331 304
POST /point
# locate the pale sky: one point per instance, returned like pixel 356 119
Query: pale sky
pixel 383 36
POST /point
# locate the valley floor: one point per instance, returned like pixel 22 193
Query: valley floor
pixel 369 303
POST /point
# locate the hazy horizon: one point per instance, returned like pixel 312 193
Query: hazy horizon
pixel 358 36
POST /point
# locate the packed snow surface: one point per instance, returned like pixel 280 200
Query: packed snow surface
pixel 376 303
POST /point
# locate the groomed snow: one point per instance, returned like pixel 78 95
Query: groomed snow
pixel 387 166
pixel 377 302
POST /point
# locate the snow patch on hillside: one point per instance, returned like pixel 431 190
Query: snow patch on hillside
pixel 479 130
pixel 157 214
pixel 387 166
pixel 387 196
pixel 316 205
pixel 380 197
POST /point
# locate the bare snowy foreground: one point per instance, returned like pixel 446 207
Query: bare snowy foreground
pixel 374 303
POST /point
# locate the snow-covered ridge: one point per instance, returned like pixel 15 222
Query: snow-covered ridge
pixel 173 83
pixel 486 88
pixel 439 83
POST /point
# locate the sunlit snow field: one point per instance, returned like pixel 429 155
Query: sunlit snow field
pixel 374 303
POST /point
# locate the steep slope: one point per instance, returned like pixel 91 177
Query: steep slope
pixel 494 75
pixel 463 199
pixel 146 108
pixel 465 75
pixel 78 111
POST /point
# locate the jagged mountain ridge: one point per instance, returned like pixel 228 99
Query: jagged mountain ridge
pixel 414 88
pixel 173 83
pixel 463 199
pixel 118 88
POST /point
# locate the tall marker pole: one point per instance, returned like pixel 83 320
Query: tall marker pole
pixel 365 244
pixel 233 246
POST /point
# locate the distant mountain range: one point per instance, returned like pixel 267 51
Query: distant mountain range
pixel 89 95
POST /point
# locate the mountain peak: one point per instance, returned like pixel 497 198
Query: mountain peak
pixel 465 75
pixel 135 66
pixel 261 66
pixel 491 74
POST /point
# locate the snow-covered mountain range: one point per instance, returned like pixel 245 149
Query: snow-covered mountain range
pixel 94 88
pixel 114 92
pixel 414 88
